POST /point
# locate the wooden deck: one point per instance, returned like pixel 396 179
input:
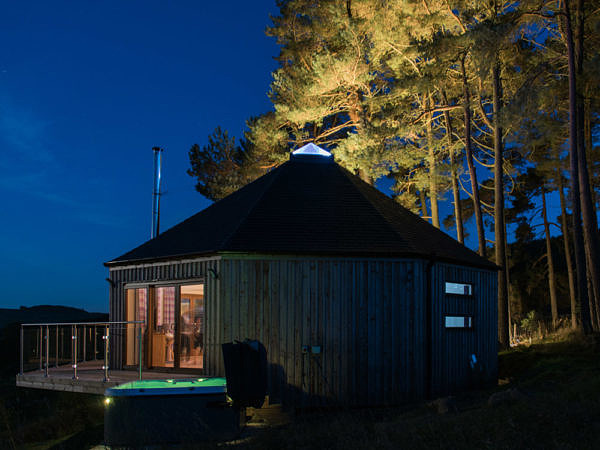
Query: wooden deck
pixel 89 378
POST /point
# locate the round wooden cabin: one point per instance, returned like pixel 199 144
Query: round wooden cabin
pixel 357 300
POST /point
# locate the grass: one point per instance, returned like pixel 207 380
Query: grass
pixel 555 403
pixel 38 419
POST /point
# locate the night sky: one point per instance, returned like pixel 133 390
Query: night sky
pixel 86 90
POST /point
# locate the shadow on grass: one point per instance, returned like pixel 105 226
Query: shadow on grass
pixel 557 406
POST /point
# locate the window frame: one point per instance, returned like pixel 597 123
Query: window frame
pixel 150 287
pixel 471 318
pixel 457 294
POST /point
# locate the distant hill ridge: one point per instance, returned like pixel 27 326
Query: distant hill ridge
pixel 48 313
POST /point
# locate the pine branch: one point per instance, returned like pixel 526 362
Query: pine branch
pixel 434 110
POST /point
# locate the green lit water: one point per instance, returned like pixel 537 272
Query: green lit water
pixel 174 383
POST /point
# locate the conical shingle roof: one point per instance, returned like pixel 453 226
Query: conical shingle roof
pixel 308 205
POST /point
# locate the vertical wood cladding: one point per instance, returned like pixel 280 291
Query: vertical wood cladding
pixel 366 315
pixel 452 348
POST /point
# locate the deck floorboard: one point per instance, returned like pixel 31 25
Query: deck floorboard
pixel 90 376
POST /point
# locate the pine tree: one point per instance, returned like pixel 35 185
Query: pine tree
pixel 217 165
pixel 324 88
pixel 566 232
pixel 580 262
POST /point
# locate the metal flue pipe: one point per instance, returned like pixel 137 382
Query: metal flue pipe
pixel 156 192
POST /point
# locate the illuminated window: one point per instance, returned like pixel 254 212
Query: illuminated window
pixel 459 288
pixel 459 322
pixel 137 303
pixel 173 329
pixel 191 326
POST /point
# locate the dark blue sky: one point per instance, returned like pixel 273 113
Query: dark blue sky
pixel 86 90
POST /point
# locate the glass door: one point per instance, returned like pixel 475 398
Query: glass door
pixel 163 328
pixel 191 326
pixel 137 305
pixel 173 326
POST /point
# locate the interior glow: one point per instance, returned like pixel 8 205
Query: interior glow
pixel 193 289
pixel 459 288
pixel 191 326
pixel 458 322
pixel 311 149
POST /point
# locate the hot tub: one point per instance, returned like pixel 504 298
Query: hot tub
pixel 169 411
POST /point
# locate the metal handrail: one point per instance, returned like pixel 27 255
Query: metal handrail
pixel 44 343
pixel 81 323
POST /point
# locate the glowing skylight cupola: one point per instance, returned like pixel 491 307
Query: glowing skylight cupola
pixel 311 149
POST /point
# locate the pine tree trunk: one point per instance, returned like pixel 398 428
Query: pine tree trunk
pixel 507 266
pixel 580 263
pixel 362 174
pixel 423 197
pixel 499 228
pixel 355 112
pixel 591 296
pixel 460 235
pixel 590 224
pixel 589 145
pixel 590 228
pixel 433 188
pixel 568 258
pixel 470 163
pixel 551 274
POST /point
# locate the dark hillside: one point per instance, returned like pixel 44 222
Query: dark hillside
pixel 48 313
pixel 44 417
pixel 10 320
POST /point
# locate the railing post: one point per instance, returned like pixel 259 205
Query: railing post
pixel 140 349
pixel 106 338
pixel 40 349
pixel 44 338
pixel 84 341
pixel 56 362
pixel 74 349
pixel 62 340
pixel 47 351
pixel 21 355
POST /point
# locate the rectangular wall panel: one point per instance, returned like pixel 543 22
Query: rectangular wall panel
pixel 338 331
pixel 453 347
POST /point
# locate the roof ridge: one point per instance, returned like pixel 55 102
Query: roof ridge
pixel 276 174
pixel 354 179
